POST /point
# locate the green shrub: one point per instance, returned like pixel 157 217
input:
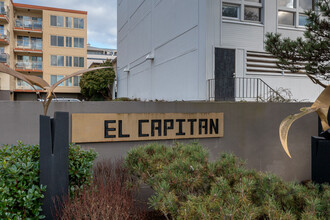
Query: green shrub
pixel 20 193
pixel 188 186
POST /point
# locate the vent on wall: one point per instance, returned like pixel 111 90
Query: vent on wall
pixel 259 62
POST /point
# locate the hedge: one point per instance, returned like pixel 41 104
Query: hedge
pixel 20 192
pixel 188 186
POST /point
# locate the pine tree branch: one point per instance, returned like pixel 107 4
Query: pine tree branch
pixel 316 81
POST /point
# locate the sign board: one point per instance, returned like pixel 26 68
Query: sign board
pixel 87 128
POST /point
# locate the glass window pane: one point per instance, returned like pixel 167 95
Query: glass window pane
pixel 19 41
pixel 68 41
pixel 258 1
pixel 60 21
pixel 303 20
pixel 53 60
pixel 286 18
pixel 68 82
pixel 306 4
pixel 53 40
pixel 252 14
pixel 68 22
pixel 26 41
pixel 68 61
pixel 59 77
pixel 53 79
pixel 75 81
pixel 75 23
pixel 81 62
pixel 287 3
pixel 81 42
pixel 53 21
pixel 230 11
pixel 75 42
pixel 60 41
pixel 81 23
pixel 60 60
pixel 76 61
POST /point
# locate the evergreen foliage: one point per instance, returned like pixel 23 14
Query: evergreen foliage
pixel 97 85
pixel 188 186
pixel 20 192
pixel 312 53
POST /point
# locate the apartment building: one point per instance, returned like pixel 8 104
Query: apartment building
pixel 207 50
pixel 42 41
pixel 97 55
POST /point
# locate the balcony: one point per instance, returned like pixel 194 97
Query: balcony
pixel 35 67
pixel 4 14
pixel 28 47
pixel 4 58
pixel 22 86
pixel 28 25
pixel 4 37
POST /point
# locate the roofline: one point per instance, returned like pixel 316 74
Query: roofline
pixel 19 5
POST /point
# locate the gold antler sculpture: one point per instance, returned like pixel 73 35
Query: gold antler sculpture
pixel 320 106
pixel 37 81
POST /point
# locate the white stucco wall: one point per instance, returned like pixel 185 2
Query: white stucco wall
pixel 182 36
pixel 169 31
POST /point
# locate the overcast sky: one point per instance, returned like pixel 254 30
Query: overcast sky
pixel 101 18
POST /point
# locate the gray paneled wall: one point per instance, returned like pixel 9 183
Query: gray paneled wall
pixel 250 130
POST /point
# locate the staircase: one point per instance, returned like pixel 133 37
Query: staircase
pixel 242 89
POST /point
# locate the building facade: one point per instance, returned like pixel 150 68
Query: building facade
pixel 42 41
pixel 97 56
pixel 207 50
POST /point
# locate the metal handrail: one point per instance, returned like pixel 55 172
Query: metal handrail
pixel 246 89
pixel 34 25
pixel 4 58
pixel 30 45
pixel 29 65
pixel 4 10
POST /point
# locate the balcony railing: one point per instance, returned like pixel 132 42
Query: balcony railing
pixel 29 66
pixel 28 24
pixel 4 35
pixel 238 88
pixel 20 84
pixel 30 45
pixel 4 58
pixel 4 10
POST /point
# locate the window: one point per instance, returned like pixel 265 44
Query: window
pixel 231 11
pixel 252 13
pixel 36 43
pixel 78 61
pixel 291 12
pixel 78 42
pixel 57 41
pixel 57 21
pixel 55 78
pixel 68 61
pixel 78 23
pixel 68 22
pixel 68 41
pixel 23 41
pixel 56 60
pixel 243 10
pixel 68 82
pixel 76 80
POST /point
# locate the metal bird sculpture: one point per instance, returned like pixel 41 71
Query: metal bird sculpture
pixel 37 81
pixel 320 106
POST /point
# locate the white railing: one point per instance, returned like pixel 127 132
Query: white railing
pixel 29 65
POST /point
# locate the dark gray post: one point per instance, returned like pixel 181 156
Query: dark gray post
pixel 54 160
pixel 320 160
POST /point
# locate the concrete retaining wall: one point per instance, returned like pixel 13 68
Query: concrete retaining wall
pixel 250 130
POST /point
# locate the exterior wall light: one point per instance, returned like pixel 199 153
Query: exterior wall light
pixel 150 57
